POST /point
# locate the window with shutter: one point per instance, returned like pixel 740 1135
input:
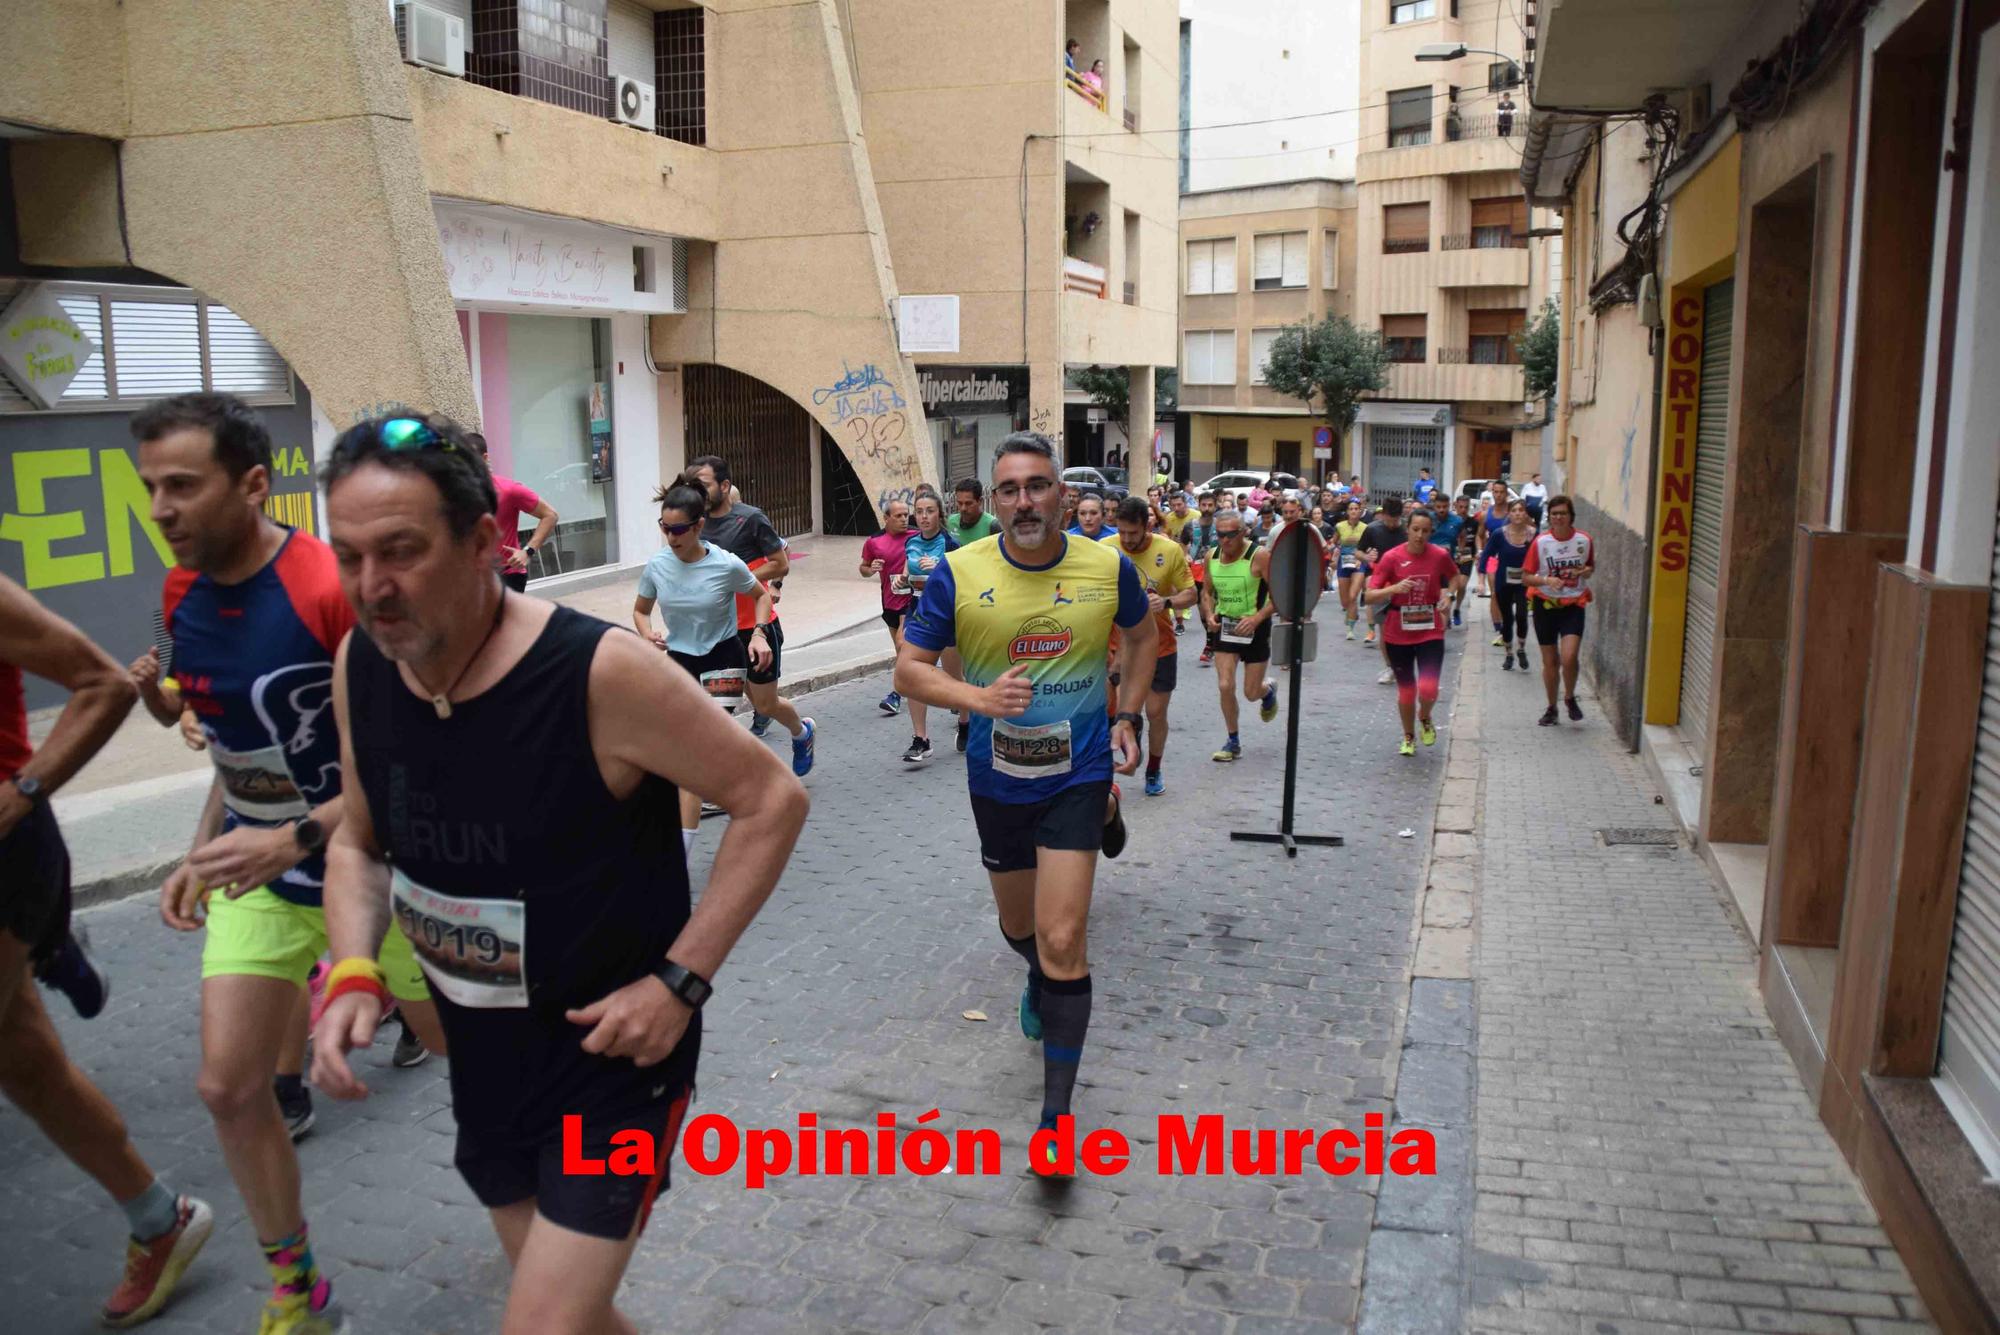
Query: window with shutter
pixel 156 346
pixel 1491 336
pixel 1260 352
pixel 1200 267
pixel 1294 259
pixel 1406 228
pixel 1210 357
pixel 90 383
pixel 1329 275
pixel 1409 117
pixel 240 361
pixel 1403 337
pixel 1267 261
pixel 1225 266
pixel 1500 223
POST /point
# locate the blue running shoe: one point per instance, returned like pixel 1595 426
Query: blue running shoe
pixel 802 749
pixel 1155 784
pixel 1031 1015
pixel 759 724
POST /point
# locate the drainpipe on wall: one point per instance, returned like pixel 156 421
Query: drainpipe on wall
pixel 1656 345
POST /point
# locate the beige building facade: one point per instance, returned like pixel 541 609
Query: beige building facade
pixel 1448 270
pixel 1253 260
pixel 844 244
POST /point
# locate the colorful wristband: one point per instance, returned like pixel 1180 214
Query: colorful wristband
pixel 358 974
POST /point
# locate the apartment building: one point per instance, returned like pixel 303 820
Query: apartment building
pixel 1448 268
pixel 1255 259
pixel 1778 421
pixel 844 243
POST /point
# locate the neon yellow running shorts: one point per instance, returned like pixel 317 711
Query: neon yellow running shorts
pixel 267 937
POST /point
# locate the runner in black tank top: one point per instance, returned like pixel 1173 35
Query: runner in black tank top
pixel 555 931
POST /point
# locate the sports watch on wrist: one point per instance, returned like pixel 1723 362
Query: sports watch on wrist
pixel 1136 720
pixel 31 788
pixel 684 983
pixel 309 835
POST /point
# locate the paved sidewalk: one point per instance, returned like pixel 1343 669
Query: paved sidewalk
pixel 1647 1159
pixel 1228 980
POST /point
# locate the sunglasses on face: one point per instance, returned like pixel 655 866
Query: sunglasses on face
pixel 675 530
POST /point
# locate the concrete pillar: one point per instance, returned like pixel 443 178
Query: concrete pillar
pixel 1139 419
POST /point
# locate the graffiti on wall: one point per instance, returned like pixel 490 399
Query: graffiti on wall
pixel 871 421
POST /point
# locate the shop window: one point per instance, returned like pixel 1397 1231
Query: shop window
pixel 1260 352
pixel 1406 228
pixel 1403 338
pixel 1409 117
pixel 1210 357
pixel 1211 266
pixel 1280 260
pixel 546 411
pixel 161 345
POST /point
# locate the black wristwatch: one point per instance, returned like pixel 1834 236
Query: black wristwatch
pixel 309 835
pixel 686 984
pixel 31 788
pixel 1136 720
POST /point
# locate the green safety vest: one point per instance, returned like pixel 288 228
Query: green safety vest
pixel 1237 591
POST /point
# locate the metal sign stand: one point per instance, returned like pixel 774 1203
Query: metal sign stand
pixel 1295 580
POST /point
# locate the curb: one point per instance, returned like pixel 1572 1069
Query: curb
pixel 145 875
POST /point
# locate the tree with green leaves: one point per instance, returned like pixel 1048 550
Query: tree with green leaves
pixel 1332 361
pixel 1539 347
pixel 1110 388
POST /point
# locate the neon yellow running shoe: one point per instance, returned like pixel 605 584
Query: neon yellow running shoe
pixel 1408 748
pixel 1429 734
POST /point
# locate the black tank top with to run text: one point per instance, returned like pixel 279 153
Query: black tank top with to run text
pixel 520 904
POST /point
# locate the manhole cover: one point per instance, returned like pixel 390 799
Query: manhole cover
pixel 1631 835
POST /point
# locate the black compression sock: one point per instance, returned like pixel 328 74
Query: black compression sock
pixel 1065 1020
pixel 1024 946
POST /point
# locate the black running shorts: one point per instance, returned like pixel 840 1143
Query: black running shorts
pixel 1552 622
pixel 1257 651
pixel 503 1166
pixel 1166 673
pixel 774 635
pixel 725 656
pixel 34 883
pixel 1009 833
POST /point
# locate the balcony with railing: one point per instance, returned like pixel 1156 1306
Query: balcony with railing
pixel 1085 89
pixel 1085 278
pixel 1484 238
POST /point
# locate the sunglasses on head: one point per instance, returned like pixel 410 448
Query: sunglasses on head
pixel 675 530
pixel 403 434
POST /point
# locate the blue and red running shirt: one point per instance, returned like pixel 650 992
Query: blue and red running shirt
pixel 255 663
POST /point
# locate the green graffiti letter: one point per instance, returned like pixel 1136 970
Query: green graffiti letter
pixel 125 499
pixel 37 531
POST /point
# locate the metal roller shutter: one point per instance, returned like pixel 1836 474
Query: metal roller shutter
pixel 1970 1048
pixel 1711 469
pixel 1395 453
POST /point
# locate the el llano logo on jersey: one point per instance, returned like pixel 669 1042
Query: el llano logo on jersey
pixel 1039 638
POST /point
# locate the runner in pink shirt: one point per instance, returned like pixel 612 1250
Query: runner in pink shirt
pixel 1415 579
pixel 885 557
pixel 516 499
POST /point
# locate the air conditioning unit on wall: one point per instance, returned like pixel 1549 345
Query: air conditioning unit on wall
pixel 431 37
pixel 631 101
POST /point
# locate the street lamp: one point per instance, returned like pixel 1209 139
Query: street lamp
pixel 1459 51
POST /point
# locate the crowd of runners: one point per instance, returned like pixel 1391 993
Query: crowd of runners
pixel 355 859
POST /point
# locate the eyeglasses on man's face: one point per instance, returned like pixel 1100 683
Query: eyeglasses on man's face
pixel 1037 488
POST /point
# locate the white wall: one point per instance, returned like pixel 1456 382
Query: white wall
pixel 1254 60
pixel 635 425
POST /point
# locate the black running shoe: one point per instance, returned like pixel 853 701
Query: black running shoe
pixel 964 734
pixel 1548 718
pixel 410 1050
pixel 1575 710
pixel 1114 829
pixel 919 752
pixel 295 1104
pixel 73 973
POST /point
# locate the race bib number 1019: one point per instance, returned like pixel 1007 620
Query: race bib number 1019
pixel 472 950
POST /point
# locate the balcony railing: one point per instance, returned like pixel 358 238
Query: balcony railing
pixel 1083 89
pixel 1486 350
pixel 1484 238
pixel 1410 136
pixel 1405 246
pixel 1083 277
pixel 1451 129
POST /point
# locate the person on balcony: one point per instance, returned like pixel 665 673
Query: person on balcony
pixel 1505 111
pixel 1094 78
pixel 1070 48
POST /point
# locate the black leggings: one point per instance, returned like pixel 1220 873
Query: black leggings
pixel 1510 610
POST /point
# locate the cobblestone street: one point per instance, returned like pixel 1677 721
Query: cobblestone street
pixel 1228 980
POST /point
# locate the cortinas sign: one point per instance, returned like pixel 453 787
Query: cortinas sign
pixel 41 348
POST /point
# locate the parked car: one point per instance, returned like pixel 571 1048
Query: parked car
pixel 1243 479
pixel 1093 482
pixel 1474 489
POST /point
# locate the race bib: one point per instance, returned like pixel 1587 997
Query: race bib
pixel 1514 574
pixel 1419 616
pixel 899 584
pixel 472 950
pixel 257 786
pixel 725 686
pixel 1229 635
pixel 1037 752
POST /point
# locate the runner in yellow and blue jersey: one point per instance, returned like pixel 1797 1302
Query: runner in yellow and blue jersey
pixel 1031 613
